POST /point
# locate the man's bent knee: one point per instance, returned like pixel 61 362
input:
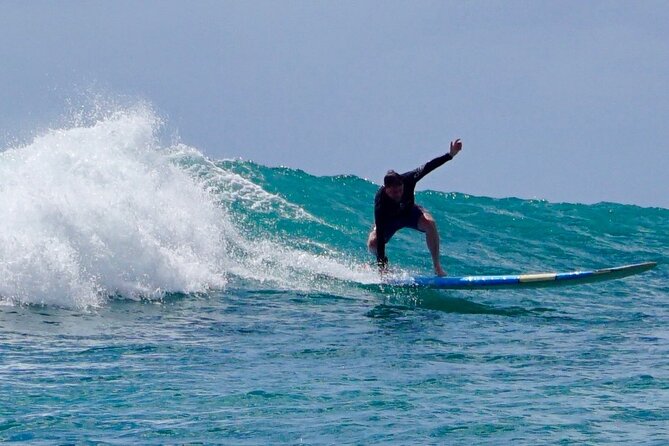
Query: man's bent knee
pixel 371 241
pixel 427 223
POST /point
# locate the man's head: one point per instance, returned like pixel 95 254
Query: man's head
pixel 394 186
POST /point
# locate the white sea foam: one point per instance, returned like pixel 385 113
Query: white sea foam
pixel 102 209
pixel 97 210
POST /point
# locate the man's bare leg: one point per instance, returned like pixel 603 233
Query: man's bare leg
pixel 371 241
pixel 427 224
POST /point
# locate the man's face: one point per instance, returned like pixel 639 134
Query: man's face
pixel 395 192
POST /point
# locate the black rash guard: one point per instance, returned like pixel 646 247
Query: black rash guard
pixel 387 210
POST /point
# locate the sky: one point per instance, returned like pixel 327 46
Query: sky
pixel 565 101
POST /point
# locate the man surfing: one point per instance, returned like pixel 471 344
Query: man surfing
pixel 395 208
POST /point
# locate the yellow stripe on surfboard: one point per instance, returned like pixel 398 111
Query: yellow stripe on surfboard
pixel 537 277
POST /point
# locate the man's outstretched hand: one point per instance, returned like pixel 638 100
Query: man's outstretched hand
pixel 456 146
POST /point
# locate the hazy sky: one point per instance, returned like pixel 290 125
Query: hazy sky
pixel 561 100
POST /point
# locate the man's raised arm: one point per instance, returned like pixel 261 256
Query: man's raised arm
pixel 428 167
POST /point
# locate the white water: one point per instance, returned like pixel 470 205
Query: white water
pixel 102 209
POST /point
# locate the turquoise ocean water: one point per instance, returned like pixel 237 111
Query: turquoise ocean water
pixel 150 295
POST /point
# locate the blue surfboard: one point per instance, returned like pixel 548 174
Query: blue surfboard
pixel 531 280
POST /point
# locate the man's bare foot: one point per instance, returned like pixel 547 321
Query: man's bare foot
pixel 439 271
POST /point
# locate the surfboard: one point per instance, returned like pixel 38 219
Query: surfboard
pixel 531 280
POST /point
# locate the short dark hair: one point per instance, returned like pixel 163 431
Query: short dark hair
pixel 392 178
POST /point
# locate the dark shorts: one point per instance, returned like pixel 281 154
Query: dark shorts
pixel 409 221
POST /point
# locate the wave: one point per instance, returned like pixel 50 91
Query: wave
pixel 104 208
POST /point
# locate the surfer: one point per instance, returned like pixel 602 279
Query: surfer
pixel 395 208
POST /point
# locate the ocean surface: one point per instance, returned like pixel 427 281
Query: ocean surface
pixel 150 295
